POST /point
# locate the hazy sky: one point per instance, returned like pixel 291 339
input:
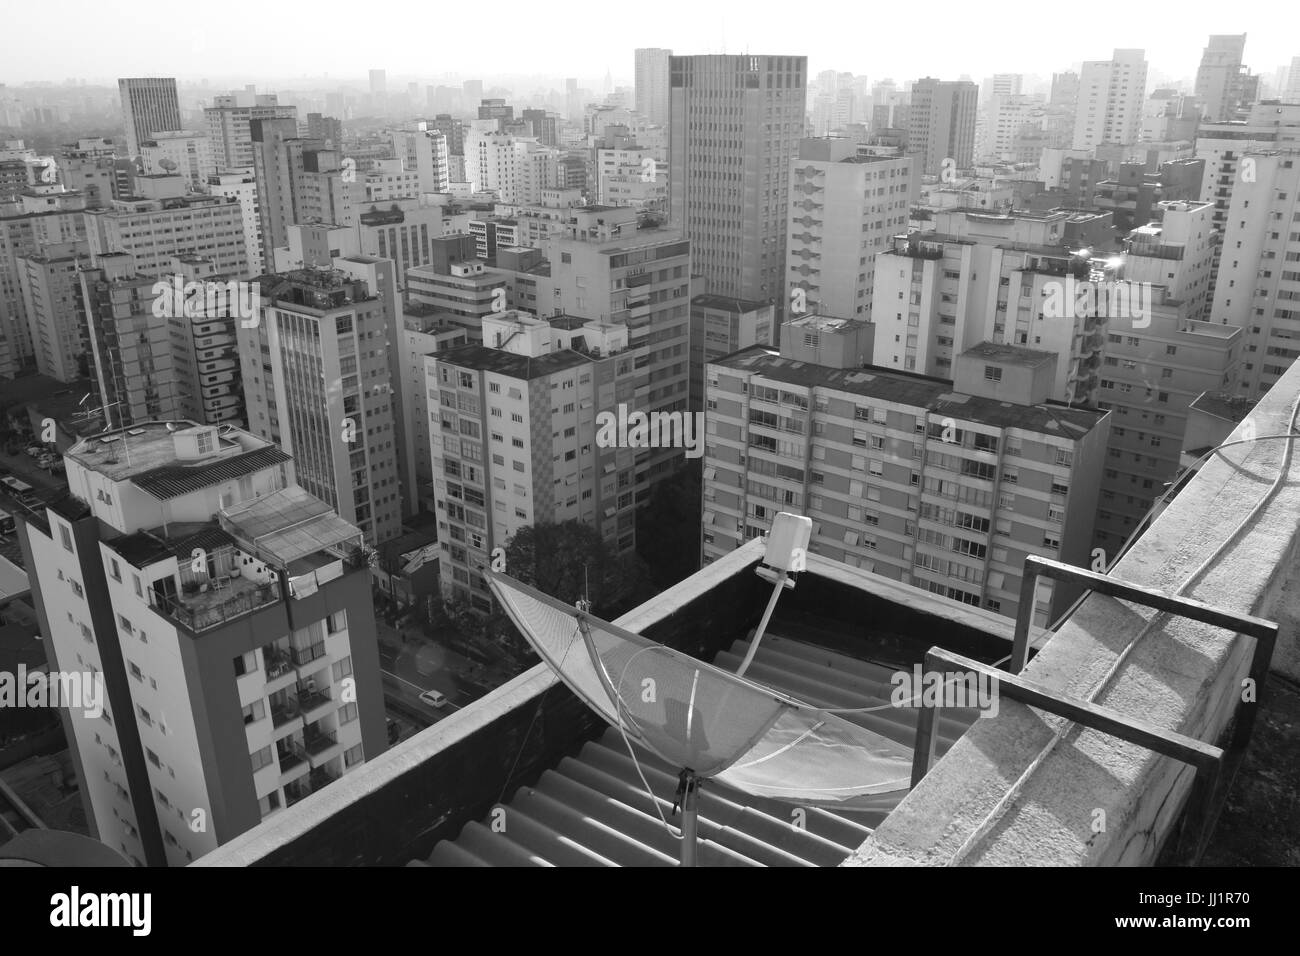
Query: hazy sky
pixel 261 41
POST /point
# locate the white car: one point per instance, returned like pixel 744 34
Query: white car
pixel 433 698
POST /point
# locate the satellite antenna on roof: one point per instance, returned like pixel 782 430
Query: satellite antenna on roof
pixel 704 720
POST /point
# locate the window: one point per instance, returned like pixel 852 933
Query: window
pixel 261 758
pixel 352 756
pixel 65 535
pixel 336 622
pixel 992 373
pixel 115 569
pixel 343 668
pixel 347 713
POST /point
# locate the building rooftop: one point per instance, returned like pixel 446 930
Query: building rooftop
pixel 147 456
pixel 919 391
pixel 286 526
pixel 1011 354
pixel 727 303
pixel 521 367
pixel 825 323
pixel 1230 408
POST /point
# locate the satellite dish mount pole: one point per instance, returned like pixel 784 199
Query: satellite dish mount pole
pixel 687 797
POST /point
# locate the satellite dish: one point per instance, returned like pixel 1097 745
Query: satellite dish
pixel 705 720
pixel 167 164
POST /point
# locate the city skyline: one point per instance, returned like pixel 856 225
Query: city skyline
pixel 978 49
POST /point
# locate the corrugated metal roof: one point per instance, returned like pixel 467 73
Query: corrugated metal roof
pixel 172 481
pixel 592 809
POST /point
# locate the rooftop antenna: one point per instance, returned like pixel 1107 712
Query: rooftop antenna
pixel 787 551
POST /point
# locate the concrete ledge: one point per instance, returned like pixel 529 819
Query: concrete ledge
pixel 1181 675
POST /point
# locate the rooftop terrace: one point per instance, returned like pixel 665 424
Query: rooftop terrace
pixel 147 455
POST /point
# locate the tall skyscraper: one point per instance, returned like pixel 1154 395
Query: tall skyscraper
pixel 941 124
pixel 1111 93
pixel 321 369
pixel 652 83
pixel 728 180
pixel 226 616
pixel 1219 78
pixel 149 104
pixel 378 82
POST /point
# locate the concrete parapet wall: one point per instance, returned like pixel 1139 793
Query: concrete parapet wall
pixel 1181 675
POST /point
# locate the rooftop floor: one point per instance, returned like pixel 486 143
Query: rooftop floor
pixel 591 809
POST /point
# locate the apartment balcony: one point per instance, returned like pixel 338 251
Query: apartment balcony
pixel 278 665
pixel 293 760
pixel 321 747
pixel 302 656
pixel 285 712
pixel 321 777
pixel 313 704
pixel 217 602
pixel 296 791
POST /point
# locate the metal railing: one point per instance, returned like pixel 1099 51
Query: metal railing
pixel 211 615
pixel 281 714
pixel 311 699
pixel 305 655
pixel 290 754
pixel 319 742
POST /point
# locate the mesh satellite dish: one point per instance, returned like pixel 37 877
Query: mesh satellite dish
pixel 704 720
pixel 168 165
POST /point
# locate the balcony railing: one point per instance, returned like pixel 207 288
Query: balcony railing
pixel 311 699
pixel 321 777
pixel 318 743
pixel 296 791
pixel 284 712
pixel 205 614
pixel 291 755
pixel 305 655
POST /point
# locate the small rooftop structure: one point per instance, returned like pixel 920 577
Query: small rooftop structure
pixel 288 525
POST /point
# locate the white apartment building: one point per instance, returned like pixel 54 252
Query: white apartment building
pixel 322 374
pixel 425 152
pixel 47 217
pixel 229 125
pixel 152 231
pixel 1111 94
pixel 652 83
pixel 514 440
pixel 226 614
pixel 945 485
pixel 241 186
pixel 1258 286
pixel 56 310
pixel 187 153
pixel 983 277
pixel 632 176
pixel 1149 379
pixel 863 200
